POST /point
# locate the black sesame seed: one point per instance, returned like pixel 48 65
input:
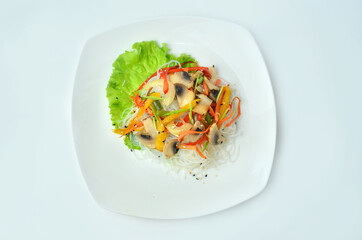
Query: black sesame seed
pixel 213 65
pixel 114 124
pixel 197 178
pixel 193 175
pixel 200 163
pixel 222 142
pixel 116 97
pixel 206 175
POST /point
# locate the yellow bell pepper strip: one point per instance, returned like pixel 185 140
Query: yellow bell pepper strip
pixel 225 101
pixel 225 119
pixel 160 139
pixel 218 104
pixel 172 117
pixel 129 129
pixel 142 110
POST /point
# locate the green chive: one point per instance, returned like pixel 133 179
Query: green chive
pixel 162 112
pixel 154 122
pixel 190 114
pixel 197 79
pixel 175 112
pixel 222 117
pixel 205 146
pixel 208 118
pixel 200 80
pixel 153 97
pixel 154 111
pixel 218 96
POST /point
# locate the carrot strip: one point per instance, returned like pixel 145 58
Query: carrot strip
pixel 218 81
pixel 200 141
pixel 128 129
pixel 200 153
pixel 212 113
pixel 239 112
pixel 183 134
pixel 205 87
pixel 183 121
pixel 190 147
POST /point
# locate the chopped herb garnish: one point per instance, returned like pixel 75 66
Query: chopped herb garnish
pixel 224 114
pixel 205 146
pixel 154 111
pixel 218 96
pixel 208 118
pixel 154 98
pixel 174 112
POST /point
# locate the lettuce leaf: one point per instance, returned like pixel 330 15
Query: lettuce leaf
pixel 130 70
pixel 131 142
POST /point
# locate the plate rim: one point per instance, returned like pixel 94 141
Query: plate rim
pixel 273 105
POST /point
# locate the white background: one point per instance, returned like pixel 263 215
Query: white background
pixel 313 50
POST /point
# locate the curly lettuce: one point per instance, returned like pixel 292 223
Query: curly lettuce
pixel 130 70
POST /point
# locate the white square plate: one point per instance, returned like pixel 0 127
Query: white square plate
pixel 121 183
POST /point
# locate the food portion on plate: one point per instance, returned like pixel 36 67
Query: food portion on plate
pixel 172 109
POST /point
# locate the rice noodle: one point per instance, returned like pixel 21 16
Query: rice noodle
pixel 189 162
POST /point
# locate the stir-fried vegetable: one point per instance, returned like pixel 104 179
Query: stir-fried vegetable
pixel 156 120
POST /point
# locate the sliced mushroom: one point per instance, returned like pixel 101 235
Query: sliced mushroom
pixel 203 106
pixel 213 94
pixel 169 96
pixel 184 96
pixel 210 85
pixel 181 78
pixel 173 129
pixel 170 148
pixel 213 74
pixel 148 135
pixel 214 135
pixel 200 88
pixel 195 74
pixel 198 127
